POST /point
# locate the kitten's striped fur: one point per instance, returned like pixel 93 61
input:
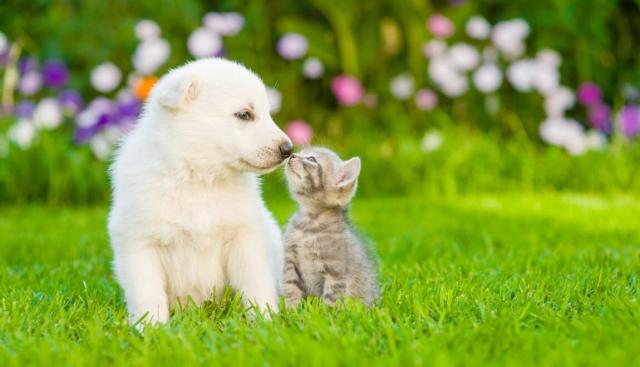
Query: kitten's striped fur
pixel 324 256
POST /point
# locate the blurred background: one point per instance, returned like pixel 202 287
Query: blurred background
pixel 437 97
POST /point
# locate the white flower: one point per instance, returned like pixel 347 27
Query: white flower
pixel 434 48
pixel 292 46
pixel 313 68
pixel 146 29
pixel 487 78
pixel 446 77
pixel 226 24
pixel 275 100
pixel 478 27
pixel 463 56
pixel 4 44
pixel 150 55
pixel 48 114
pixel 549 57
pixel 546 78
pixel 508 37
pixel 100 146
pixel 596 140
pixel 402 86
pixel 563 132
pixel 559 101
pixel 521 74
pixel 23 133
pixel 204 43
pixel 456 86
pixel 105 77
pixel 431 141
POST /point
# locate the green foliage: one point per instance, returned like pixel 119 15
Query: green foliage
pixel 479 280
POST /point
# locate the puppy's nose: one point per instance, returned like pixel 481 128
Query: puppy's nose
pixel 286 149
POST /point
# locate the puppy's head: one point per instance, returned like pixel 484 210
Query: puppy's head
pixel 218 114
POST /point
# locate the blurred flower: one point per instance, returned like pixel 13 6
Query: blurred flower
pixel 426 99
pixel 128 106
pixel 313 68
pixel 4 43
pixel 559 101
pixel 629 120
pixel 24 110
pixel 147 29
pixel 100 112
pixel 434 48
pixel 521 74
pixel 100 146
pixel 508 36
pixel 203 42
pixel 226 24
pixel 487 78
pixel 589 93
pixel 347 89
pixel 549 57
pixel 150 55
pixel 27 64
pixel 292 46
pixel 440 26
pixel 54 74
pixel 275 100
pixel 143 86
pixel 431 141
pixel 105 77
pixel 71 101
pixel 47 114
pixel 446 77
pixel 299 132
pixel 402 86
pixel 478 27
pixel 545 77
pixel 463 56
pixel 596 140
pixel 566 133
pixel 599 116
pixel 30 83
pixel 23 133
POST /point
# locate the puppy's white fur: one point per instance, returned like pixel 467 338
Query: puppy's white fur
pixel 187 215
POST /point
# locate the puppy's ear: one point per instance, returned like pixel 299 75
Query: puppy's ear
pixel 348 174
pixel 179 92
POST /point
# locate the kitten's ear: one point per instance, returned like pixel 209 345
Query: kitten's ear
pixel 179 92
pixel 349 172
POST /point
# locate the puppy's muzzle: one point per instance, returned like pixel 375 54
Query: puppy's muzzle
pixel 285 149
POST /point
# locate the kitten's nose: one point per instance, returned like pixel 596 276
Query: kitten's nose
pixel 286 149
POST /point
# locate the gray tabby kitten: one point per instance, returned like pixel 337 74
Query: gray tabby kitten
pixel 324 255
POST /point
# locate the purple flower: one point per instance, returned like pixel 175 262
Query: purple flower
pixel 27 64
pixel 599 116
pixel 83 134
pixel 24 110
pixel 30 83
pixel 589 94
pixel 292 46
pixel 629 120
pixel 129 108
pixel 71 101
pixel 55 74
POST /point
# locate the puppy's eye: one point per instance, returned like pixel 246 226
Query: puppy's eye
pixel 244 115
pixel 312 159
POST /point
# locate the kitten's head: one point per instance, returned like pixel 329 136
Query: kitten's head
pixel 318 177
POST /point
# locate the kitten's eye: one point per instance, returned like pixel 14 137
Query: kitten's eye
pixel 244 115
pixel 312 159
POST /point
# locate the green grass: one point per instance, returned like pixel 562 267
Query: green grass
pixel 487 280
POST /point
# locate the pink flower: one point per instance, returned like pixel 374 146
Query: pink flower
pixel 426 99
pixel 347 89
pixel 440 26
pixel 589 94
pixel 299 132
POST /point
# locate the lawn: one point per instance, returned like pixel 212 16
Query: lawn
pixel 487 280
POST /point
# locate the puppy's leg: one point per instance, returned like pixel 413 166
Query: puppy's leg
pixel 139 271
pixel 250 273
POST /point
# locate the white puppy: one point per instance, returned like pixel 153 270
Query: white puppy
pixel 187 215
